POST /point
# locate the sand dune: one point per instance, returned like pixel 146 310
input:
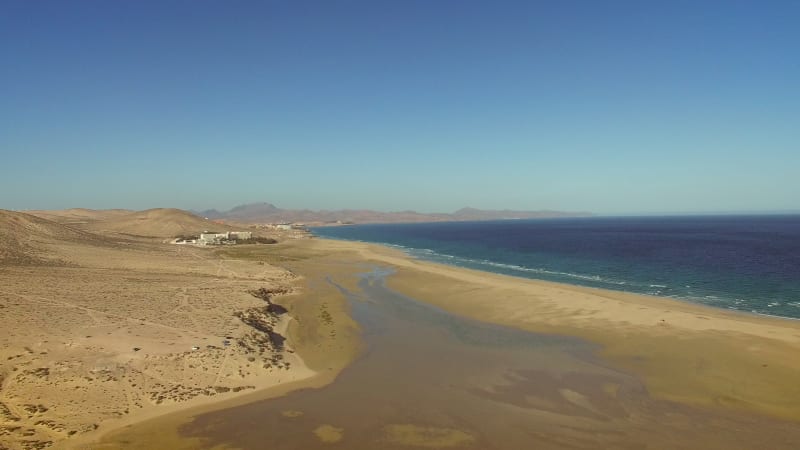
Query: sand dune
pixel 29 240
pixel 77 216
pixel 151 223
pixel 103 329
pixel 159 222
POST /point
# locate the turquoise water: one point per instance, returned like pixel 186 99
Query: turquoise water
pixel 746 263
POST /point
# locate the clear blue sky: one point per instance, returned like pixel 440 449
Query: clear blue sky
pixel 605 106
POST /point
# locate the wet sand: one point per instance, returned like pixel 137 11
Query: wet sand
pixel 427 378
pixel 434 380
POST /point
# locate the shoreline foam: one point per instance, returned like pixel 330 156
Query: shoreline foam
pixel 685 352
pixel 742 263
pixel 425 254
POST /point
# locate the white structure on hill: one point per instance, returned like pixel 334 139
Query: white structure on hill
pixel 218 238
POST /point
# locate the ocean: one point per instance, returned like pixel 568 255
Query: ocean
pixel 745 263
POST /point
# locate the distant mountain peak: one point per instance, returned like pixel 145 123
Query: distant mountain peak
pixel 264 206
pixel 263 212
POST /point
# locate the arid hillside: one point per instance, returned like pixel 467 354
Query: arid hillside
pixel 159 223
pixel 78 216
pixel 29 240
pixel 151 223
pixel 103 328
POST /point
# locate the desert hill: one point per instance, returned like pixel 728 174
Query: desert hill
pixel 269 213
pixel 150 223
pixel 27 240
pixel 77 216
pixel 159 222
pixel 99 326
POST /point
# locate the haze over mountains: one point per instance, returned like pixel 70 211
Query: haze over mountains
pixel 269 213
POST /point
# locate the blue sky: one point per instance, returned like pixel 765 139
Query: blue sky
pixel 611 107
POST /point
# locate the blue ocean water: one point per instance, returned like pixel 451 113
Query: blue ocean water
pixel 747 263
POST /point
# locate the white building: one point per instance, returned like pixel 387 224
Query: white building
pixel 218 238
pixel 211 238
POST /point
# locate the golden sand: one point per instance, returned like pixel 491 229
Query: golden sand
pixel 291 413
pixel 329 434
pixel 103 331
pixel 321 332
pixel 684 352
pixel 73 330
pixel 426 437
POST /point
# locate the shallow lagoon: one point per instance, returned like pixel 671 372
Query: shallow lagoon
pixel 428 379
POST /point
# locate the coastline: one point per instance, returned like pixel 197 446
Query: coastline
pixel 383 252
pixel 692 354
pixel 741 263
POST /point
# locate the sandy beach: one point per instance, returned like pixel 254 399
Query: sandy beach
pixel 356 226
pixel 723 364
pixel 685 352
pixel 59 377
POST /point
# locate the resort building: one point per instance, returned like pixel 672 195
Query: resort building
pixel 219 238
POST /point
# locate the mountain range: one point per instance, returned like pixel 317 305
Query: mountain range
pixel 269 213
